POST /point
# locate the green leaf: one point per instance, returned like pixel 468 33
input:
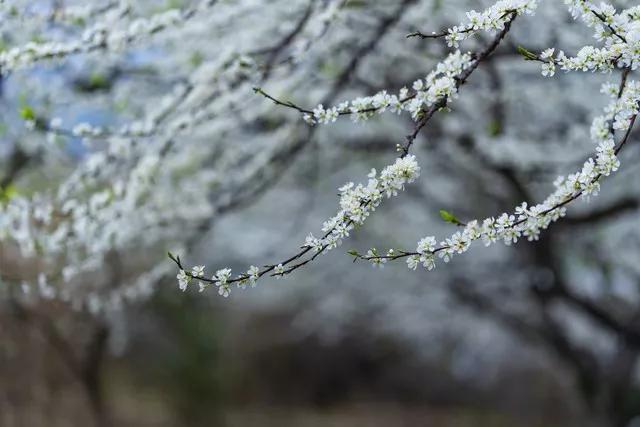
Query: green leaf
pixel 355 4
pixel 27 113
pixel 98 81
pixel 449 217
pixel 172 257
pixel 494 128
pixel 196 59
pixel 7 193
pixel 527 54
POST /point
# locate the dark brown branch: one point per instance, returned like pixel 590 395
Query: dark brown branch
pixel 274 51
pixel 17 162
pixel 604 21
pixel 442 34
pixel 621 207
pixel 460 80
pixel 382 29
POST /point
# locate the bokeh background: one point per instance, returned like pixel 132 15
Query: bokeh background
pixel 539 334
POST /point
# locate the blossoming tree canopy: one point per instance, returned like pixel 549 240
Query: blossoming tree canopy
pixel 224 127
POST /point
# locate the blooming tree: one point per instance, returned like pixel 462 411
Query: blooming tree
pixel 617 32
pixel 206 130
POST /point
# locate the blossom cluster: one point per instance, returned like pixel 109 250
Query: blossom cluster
pixel 90 207
pixel 357 202
pixel 529 221
pixel 124 193
pixel 440 84
pixel 69 14
pixel 102 35
pixel 619 33
pixel 493 18
pixel 136 129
